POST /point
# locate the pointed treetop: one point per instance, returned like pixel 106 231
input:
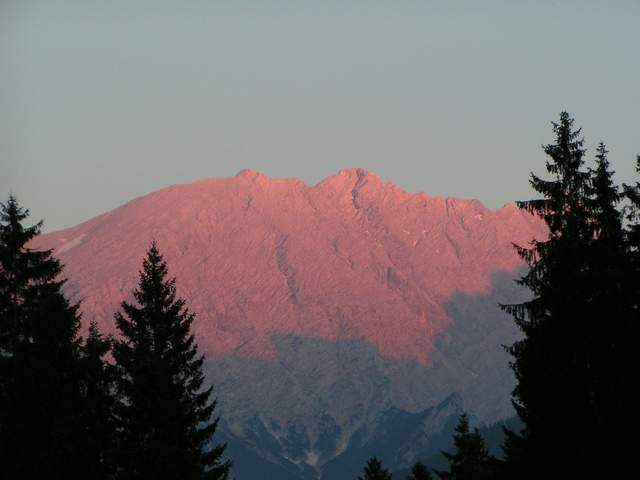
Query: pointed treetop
pixel 160 371
pixel 567 153
pixel 471 458
pixel 375 471
pixel 11 218
pixel 463 424
pixel 604 197
pixel 419 471
pixel 154 261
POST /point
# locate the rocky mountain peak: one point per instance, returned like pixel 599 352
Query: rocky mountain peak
pixel 351 257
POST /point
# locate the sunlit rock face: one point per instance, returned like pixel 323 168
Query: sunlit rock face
pixel 350 258
pixel 321 308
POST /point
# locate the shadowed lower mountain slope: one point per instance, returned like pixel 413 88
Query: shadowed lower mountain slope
pixel 321 308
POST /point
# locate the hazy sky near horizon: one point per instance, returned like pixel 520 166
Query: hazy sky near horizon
pixel 106 101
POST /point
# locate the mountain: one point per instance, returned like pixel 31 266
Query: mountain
pixel 329 313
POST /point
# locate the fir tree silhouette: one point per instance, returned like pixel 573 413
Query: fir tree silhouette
pixel 41 428
pixel 419 472
pixel 624 452
pixel 612 311
pixel 374 470
pixel 164 413
pixel 632 237
pixel 632 193
pixel 548 359
pixel 98 377
pixel 604 197
pixel 471 460
pixel 574 325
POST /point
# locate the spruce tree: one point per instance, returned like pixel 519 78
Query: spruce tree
pixel 604 198
pixel 625 451
pixel 419 471
pixel 632 193
pixel 40 377
pixel 98 385
pixel 610 310
pixel 374 470
pixel 165 414
pixel 471 460
pixel 632 237
pixel 565 365
pixel 548 360
pixel 632 233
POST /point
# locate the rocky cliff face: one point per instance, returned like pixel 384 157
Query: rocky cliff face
pixel 320 308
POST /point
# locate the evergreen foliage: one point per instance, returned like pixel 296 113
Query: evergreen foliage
pixel 624 453
pixel 611 324
pixel 374 470
pixel 164 413
pixel 604 198
pixel 419 471
pixel 632 193
pixel 547 361
pixel 471 460
pixel 567 366
pixel 99 403
pixel 40 376
pixel 632 236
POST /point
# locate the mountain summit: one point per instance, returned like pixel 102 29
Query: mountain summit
pixel 349 258
pixel 331 315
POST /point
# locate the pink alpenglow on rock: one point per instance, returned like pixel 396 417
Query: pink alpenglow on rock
pixel 352 257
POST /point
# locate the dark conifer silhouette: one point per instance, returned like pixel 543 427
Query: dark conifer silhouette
pixel 605 198
pixel 548 361
pixel 419 471
pixel 99 402
pixel 612 310
pixel 40 381
pixel 471 460
pixel 632 193
pixel 165 415
pixel 574 325
pixel 374 470
pixel 624 452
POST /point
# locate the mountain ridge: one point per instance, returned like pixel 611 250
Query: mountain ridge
pixel 321 309
pixel 256 175
pixel 353 199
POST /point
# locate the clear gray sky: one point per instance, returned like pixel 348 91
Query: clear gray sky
pixel 103 101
